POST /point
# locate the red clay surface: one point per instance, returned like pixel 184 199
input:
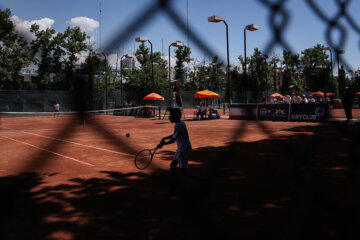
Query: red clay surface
pixel 70 178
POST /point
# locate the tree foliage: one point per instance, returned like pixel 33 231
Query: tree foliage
pixel 14 53
pixel 292 72
pixel 140 79
pixel 182 57
pixel 314 67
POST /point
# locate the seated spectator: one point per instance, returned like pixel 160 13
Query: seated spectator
pixel 287 98
pixel 311 100
pixel 203 111
pixel 297 98
pixel 273 100
pixel 327 100
pixel 303 99
pixel 263 100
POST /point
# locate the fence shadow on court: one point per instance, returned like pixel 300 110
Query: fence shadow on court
pixel 279 188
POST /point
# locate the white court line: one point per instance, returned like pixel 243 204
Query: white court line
pixel 80 144
pixel 61 155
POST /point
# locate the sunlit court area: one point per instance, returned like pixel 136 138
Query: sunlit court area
pixel 93 143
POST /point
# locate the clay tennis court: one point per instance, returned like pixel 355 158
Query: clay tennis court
pixel 74 178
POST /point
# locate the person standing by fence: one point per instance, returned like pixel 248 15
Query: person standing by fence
pixel 347 100
pixel 56 109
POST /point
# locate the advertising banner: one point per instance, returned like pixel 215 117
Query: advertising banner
pixel 309 112
pixel 273 112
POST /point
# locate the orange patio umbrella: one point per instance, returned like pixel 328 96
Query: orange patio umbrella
pixel 329 94
pixel 276 95
pixel 357 94
pixel 154 96
pixel 318 94
pixel 206 94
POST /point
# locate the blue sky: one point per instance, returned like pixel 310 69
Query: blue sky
pixel 303 30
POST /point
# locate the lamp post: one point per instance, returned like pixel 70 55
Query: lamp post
pixel 216 19
pixel 250 27
pixel 29 72
pixel 331 61
pixel 352 73
pixel 214 65
pixel 338 52
pixel 262 58
pixel 121 75
pixel 275 69
pixel 174 44
pixel 98 52
pixel 145 39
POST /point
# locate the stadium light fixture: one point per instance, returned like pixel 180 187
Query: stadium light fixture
pixel 252 27
pixel 215 18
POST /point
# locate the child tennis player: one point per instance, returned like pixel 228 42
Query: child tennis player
pixel 182 154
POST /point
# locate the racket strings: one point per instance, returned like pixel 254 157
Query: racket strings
pixel 143 159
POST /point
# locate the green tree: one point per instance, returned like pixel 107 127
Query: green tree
pixel 314 66
pixel 14 51
pixel 44 45
pixel 56 50
pixel 182 57
pixel 217 76
pixel 258 73
pixel 357 80
pixel 292 72
pixel 74 42
pixel 140 79
pixel 92 67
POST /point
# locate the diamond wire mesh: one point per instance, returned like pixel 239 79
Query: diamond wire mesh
pixel 301 157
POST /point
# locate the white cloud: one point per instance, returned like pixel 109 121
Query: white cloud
pixel 91 40
pixel 23 27
pixel 86 24
pixel 172 60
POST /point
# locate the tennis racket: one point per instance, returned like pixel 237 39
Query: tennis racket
pixel 144 158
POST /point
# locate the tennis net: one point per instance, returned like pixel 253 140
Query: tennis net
pixel 54 120
pixel 140 111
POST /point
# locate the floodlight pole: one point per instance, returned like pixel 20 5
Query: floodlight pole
pixel 331 58
pixel 228 91
pixel 106 83
pixel 338 52
pixel 175 44
pixel 216 19
pixel 250 27
pixel 245 65
pixel 152 66
pixel 121 80
pixel 169 73
pixel 121 76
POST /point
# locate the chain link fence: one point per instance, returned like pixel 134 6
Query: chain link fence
pixel 310 199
